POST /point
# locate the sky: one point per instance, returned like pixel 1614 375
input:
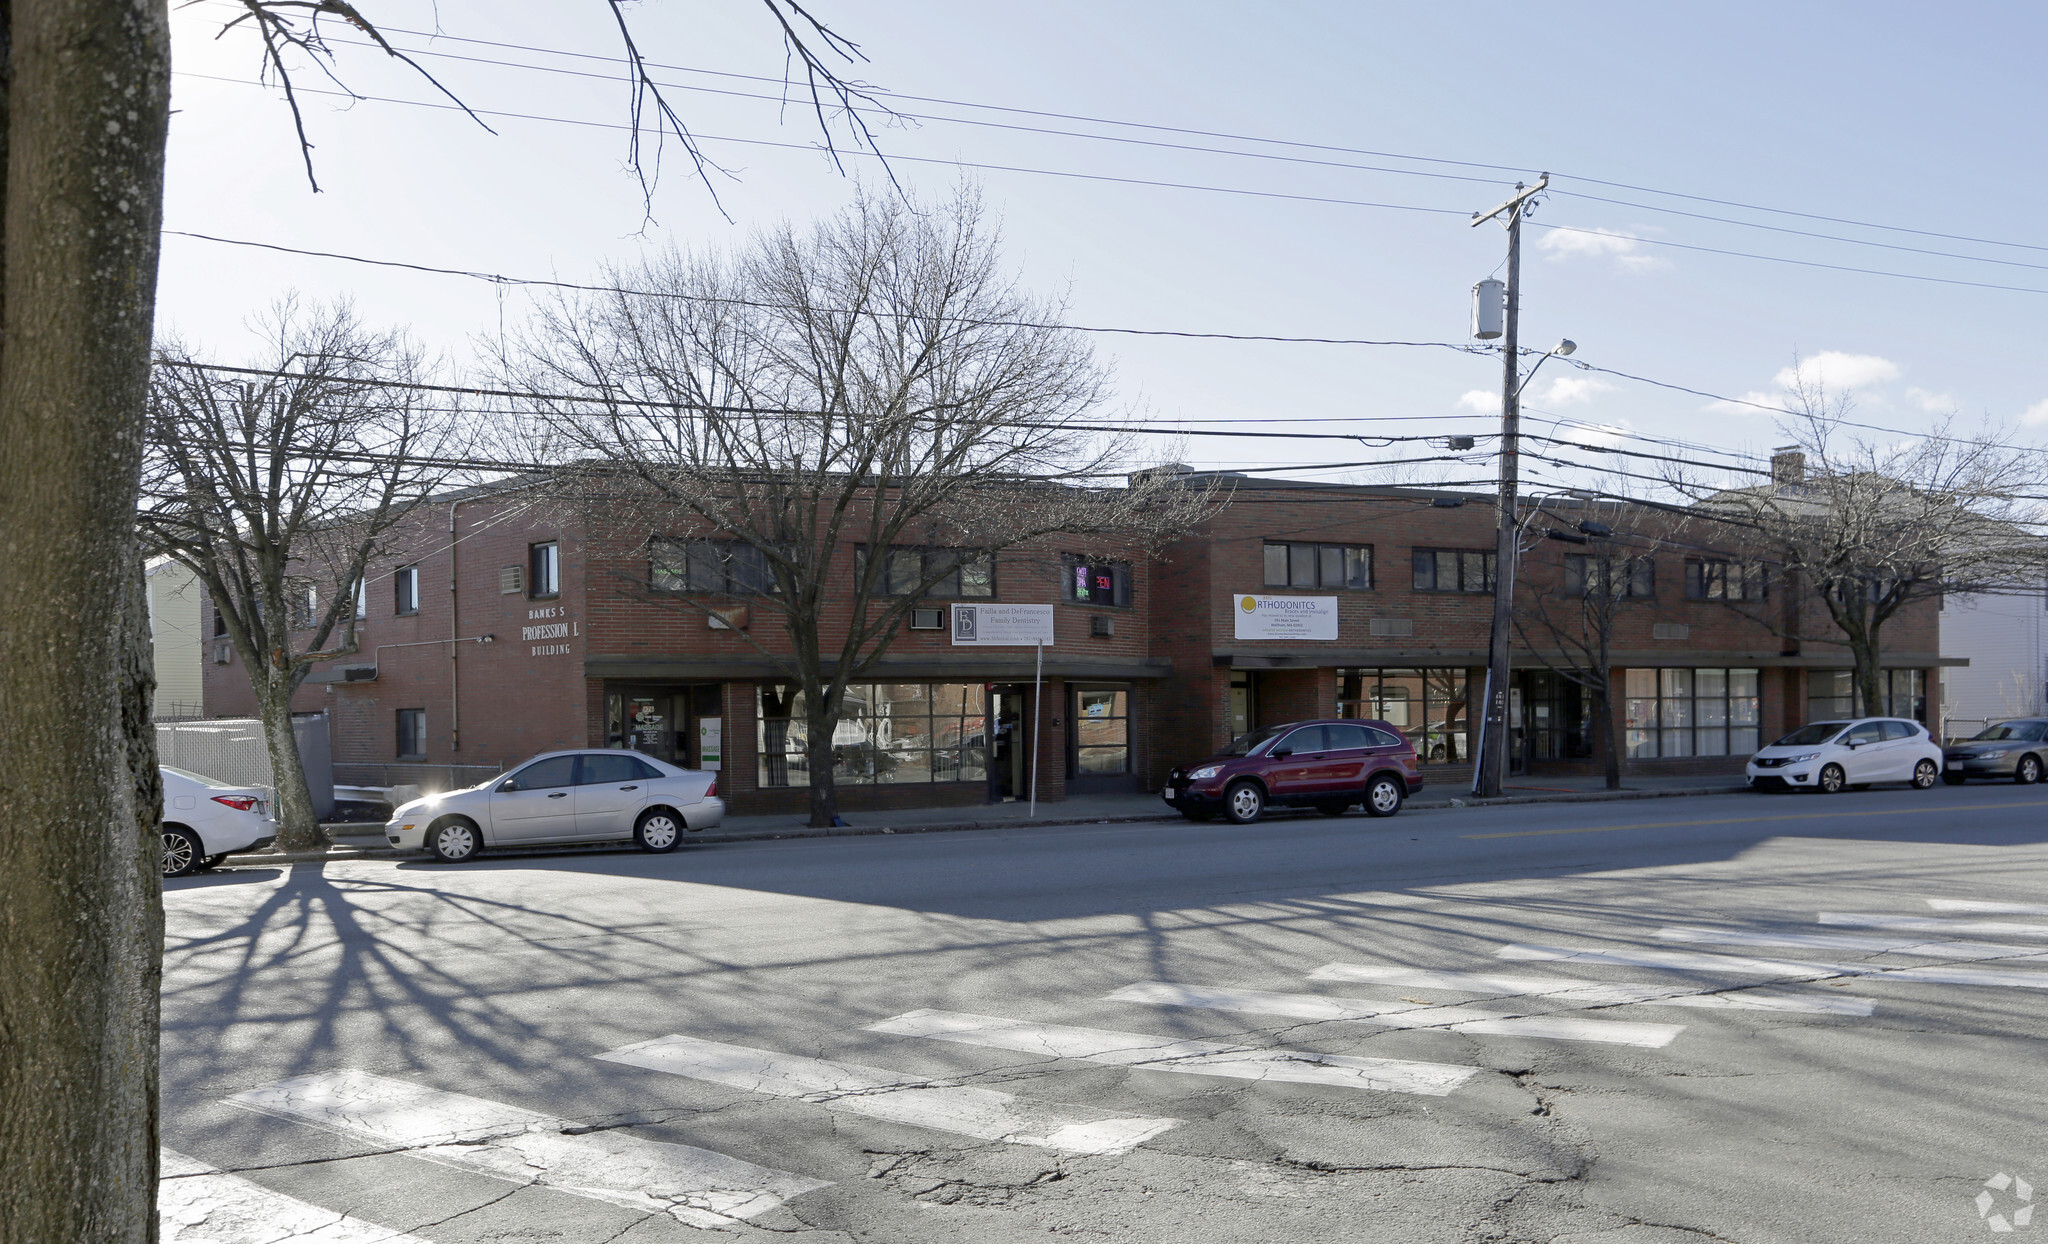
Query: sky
pixel 1361 138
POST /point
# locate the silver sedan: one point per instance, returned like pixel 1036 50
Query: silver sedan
pixel 563 797
pixel 2004 749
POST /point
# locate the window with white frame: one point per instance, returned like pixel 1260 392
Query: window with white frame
pixel 543 570
pixel 405 590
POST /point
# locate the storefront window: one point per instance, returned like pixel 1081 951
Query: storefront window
pixel 1699 712
pixel 1831 694
pixel 888 734
pixel 1102 730
pixel 1427 705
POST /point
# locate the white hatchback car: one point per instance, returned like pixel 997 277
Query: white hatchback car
pixel 1831 756
pixel 204 820
pixel 560 797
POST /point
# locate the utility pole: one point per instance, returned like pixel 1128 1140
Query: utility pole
pixel 1493 734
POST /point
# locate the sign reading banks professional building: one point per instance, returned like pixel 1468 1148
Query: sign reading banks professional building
pixel 1284 617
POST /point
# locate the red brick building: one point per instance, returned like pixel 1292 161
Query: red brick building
pixel 493 635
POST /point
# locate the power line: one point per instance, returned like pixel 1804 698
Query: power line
pixel 500 279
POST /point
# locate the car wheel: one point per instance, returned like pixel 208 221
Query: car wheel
pixel 1832 780
pixel 453 841
pixel 1333 809
pixel 1953 779
pixel 182 853
pixel 1924 774
pixel 1383 796
pixel 2028 770
pixel 1244 803
pixel 657 831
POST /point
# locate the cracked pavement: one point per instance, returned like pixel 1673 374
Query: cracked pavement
pixel 399 1049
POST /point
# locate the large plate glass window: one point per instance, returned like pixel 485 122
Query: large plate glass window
pixel 1690 712
pixel 1832 694
pixel 888 734
pixel 1426 705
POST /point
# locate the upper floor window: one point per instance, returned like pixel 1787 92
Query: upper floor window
pixel 964 573
pixel 305 603
pixel 1717 579
pixel 1090 581
pixel 1617 577
pixel 1318 565
pixel 361 591
pixel 543 570
pixel 405 590
pixel 727 567
pixel 1454 570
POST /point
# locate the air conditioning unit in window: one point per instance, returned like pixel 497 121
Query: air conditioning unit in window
pixel 223 652
pixel 511 579
pixel 927 620
pixel 1101 627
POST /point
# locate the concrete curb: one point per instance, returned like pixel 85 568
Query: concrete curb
pixel 338 853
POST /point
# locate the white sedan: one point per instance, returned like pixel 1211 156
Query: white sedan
pixel 204 820
pixel 1830 756
pixel 562 797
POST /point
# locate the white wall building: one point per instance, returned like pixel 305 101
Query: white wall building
pixel 2005 638
pixel 175 641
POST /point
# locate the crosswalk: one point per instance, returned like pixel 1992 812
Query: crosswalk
pixel 1734 971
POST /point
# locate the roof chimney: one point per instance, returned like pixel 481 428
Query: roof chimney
pixel 1788 465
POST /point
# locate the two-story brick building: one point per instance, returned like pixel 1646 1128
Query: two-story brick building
pixel 493 635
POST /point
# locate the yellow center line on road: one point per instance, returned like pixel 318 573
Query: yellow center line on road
pixel 1751 820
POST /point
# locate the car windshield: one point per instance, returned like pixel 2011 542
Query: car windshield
pixel 2013 731
pixel 1246 744
pixel 200 778
pixel 1817 732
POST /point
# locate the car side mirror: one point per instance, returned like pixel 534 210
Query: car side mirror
pixel 1281 752
pixel 508 785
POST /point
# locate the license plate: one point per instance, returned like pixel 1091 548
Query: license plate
pixel 1167 794
pixel 1954 764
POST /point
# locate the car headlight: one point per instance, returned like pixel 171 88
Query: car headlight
pixel 2000 754
pixel 1793 760
pixel 1206 771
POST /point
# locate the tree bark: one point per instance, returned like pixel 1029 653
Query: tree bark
pixel 820 723
pixel 80 907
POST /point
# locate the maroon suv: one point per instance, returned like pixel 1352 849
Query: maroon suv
pixel 1325 765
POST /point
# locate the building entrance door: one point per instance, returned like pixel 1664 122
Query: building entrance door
pixel 666 722
pixel 1009 738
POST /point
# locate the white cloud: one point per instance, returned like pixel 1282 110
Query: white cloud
pixel 2036 415
pixel 1930 401
pixel 1605 435
pixel 1625 249
pixel 1836 370
pixel 1748 403
pixel 1482 401
pixel 1574 390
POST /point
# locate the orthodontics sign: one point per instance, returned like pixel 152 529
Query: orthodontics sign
pixel 1284 617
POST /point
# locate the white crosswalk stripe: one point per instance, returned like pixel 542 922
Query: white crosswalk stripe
pixel 1737 965
pixel 1592 993
pixel 1459 1019
pixel 1209 1058
pixel 1987 907
pixel 1923 947
pixel 694 1186
pixel 852 1089
pixel 1933 924
pixel 197 1204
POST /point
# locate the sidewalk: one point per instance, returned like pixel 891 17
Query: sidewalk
pixel 352 841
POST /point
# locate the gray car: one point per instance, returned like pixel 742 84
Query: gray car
pixel 2015 749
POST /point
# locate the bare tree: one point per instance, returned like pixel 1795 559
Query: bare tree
pixel 1569 623
pixel 876 390
pixel 278 485
pixel 1870 527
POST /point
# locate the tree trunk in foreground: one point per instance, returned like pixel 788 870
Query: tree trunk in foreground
pixel 81 926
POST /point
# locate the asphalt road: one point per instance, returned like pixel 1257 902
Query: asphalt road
pixel 1808 1019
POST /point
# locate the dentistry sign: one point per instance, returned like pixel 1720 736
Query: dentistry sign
pixel 1284 617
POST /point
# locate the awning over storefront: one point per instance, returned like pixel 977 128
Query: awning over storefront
pixel 1006 666
pixel 1369 658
